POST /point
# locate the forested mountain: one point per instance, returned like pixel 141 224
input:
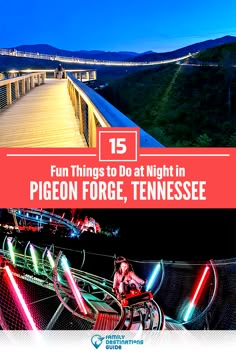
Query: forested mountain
pixel 222 54
pixel 180 105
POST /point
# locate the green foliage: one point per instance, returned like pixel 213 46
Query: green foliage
pixel 180 105
pixel 203 140
pixel 232 140
pixel 217 54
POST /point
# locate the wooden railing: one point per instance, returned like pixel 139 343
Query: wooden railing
pixel 93 111
pixel 13 89
pixel 83 75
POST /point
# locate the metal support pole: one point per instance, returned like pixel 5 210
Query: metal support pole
pixel 57 314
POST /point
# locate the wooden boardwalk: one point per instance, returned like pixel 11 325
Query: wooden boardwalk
pixel 44 117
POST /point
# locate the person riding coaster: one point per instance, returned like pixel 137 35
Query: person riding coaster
pixel 126 283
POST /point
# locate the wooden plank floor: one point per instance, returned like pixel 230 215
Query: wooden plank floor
pixel 44 117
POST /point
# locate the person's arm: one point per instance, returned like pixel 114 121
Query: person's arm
pixel 115 283
pixel 137 279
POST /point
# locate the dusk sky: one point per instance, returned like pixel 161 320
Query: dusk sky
pixel 120 25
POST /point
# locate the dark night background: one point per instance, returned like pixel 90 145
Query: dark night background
pixel 185 234
pixel 150 234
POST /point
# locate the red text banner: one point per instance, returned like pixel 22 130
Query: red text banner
pixel 118 174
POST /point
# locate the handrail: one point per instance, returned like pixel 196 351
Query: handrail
pixel 35 74
pixel 14 88
pixel 99 112
pixel 84 75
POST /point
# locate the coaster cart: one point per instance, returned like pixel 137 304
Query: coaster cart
pixel 135 296
pixel 142 311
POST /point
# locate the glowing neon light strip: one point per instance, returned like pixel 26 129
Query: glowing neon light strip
pixel 153 276
pixel 197 294
pixel 34 259
pixel 21 299
pixel 74 288
pixel 12 255
pixel 51 261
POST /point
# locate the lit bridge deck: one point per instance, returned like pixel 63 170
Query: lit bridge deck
pixel 44 117
pixel 36 111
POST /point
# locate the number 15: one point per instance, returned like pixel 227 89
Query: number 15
pixel 118 145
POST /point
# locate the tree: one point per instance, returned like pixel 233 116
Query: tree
pixel 203 140
pixel 227 64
